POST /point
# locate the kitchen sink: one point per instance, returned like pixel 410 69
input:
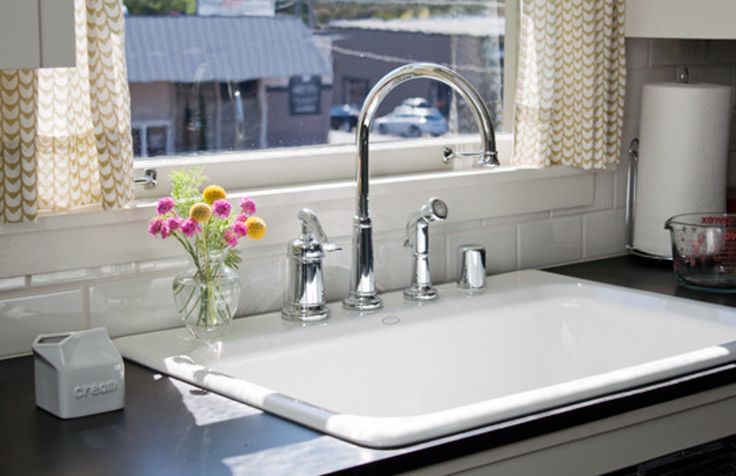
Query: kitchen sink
pixel 533 341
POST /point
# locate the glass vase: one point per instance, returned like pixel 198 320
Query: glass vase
pixel 207 295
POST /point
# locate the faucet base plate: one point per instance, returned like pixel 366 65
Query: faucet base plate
pixel 356 302
pixel 305 314
pixel 421 294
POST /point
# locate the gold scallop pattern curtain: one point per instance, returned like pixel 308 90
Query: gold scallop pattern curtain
pixel 65 138
pixel 571 82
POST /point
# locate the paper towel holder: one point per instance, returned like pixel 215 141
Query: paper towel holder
pixel 631 182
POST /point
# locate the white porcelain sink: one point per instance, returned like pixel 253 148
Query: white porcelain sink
pixel 533 341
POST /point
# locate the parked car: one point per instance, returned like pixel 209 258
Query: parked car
pixel 344 116
pixel 411 121
pixel 416 102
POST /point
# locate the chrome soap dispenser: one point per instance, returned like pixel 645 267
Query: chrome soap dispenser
pixel 304 297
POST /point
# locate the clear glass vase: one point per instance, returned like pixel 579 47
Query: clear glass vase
pixel 207 295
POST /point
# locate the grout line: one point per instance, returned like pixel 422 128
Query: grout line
pixel 86 306
pixel 518 245
pixel 583 237
pixel 77 284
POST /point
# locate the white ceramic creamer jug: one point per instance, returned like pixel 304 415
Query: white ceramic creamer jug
pixel 78 373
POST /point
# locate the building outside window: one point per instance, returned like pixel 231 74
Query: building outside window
pixel 237 75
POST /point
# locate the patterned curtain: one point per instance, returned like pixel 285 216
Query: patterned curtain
pixel 65 136
pixel 571 82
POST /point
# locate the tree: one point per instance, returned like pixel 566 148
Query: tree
pixel 161 7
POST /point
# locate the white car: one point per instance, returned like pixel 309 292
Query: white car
pixel 409 121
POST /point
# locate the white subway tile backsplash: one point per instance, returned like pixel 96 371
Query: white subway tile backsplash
pixel 130 306
pixel 17 282
pixel 712 74
pixel 337 270
pixel 166 264
pixel 534 216
pixel 549 242
pixel 60 277
pixel 674 52
pixel 605 233
pixel 637 53
pixel 115 270
pixel 262 283
pixel 620 183
pixel 720 51
pixel 393 261
pixel 23 318
pixel 500 244
pixel 603 196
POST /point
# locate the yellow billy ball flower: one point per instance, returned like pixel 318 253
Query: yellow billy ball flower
pixel 200 212
pixel 256 228
pixel 213 193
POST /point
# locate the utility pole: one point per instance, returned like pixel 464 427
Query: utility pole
pixel 311 15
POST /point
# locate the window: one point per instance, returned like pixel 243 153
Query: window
pixel 152 138
pixel 212 76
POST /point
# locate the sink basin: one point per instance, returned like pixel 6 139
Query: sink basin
pixel 533 341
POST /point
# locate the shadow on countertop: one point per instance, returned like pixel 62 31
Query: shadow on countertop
pixel 640 273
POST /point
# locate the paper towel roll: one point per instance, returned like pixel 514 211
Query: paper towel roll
pixel 683 154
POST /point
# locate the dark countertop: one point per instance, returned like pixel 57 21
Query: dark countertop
pixel 170 427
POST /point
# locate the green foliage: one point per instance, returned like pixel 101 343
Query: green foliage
pixel 233 258
pixel 185 184
pixel 161 7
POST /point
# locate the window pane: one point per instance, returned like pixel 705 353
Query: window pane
pixel 223 75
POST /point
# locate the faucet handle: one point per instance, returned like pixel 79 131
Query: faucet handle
pixel 312 226
pixel 486 159
pixel 471 268
pixel 304 297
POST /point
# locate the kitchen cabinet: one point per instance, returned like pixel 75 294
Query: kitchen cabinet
pixel 700 19
pixel 37 34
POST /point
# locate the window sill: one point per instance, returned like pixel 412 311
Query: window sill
pixel 316 164
pixel 81 240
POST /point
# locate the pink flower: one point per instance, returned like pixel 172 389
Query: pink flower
pixel 248 206
pixel 239 228
pixel 190 227
pixel 230 237
pixel 221 208
pixel 173 223
pixel 165 205
pixel 165 231
pixel 154 226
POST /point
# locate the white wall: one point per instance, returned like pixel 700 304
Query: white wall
pixel 680 19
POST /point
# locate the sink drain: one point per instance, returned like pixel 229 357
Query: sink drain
pixel 391 320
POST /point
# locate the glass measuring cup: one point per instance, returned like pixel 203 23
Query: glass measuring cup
pixel 704 250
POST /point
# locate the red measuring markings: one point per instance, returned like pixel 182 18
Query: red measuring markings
pixel 727 254
pixel 718 220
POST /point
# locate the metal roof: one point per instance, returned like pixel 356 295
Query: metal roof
pixel 478 26
pixel 191 48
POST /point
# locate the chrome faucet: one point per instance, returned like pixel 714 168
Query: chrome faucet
pixel 304 297
pixel 363 295
pixel 417 238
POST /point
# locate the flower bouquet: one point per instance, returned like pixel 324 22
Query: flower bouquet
pixel 208 292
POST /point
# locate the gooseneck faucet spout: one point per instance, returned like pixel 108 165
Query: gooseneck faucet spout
pixel 363 295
